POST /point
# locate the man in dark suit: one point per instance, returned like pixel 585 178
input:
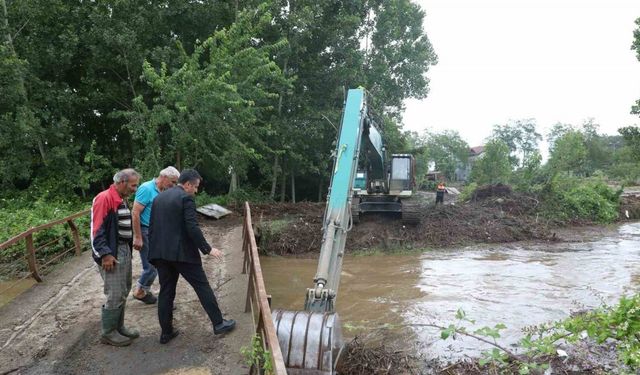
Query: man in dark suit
pixel 175 239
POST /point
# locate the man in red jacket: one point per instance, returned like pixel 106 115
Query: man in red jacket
pixel 111 240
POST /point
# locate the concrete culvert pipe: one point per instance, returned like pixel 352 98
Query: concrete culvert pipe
pixel 311 342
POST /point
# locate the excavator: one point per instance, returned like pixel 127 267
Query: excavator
pixel 362 181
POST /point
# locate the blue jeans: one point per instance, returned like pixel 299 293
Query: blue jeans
pixel 149 272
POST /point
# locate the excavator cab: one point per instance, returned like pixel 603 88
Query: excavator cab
pixel 402 175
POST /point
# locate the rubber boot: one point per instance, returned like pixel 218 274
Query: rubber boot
pixel 110 335
pixel 124 331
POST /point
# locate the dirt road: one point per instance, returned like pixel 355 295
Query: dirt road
pixel 54 328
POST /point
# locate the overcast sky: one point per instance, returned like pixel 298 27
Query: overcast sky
pixel 552 60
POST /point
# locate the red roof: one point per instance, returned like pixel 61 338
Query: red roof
pixel 477 150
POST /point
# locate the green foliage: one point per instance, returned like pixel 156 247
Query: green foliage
pixel 521 137
pixel 530 174
pixel 21 213
pixel 631 136
pixel 494 166
pixel 625 168
pixel 446 150
pixel 88 89
pixel 213 109
pixel 569 153
pixel 567 197
pixel 256 356
pixel 619 324
pixel 467 192
pixel 636 46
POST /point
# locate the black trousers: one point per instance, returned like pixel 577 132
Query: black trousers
pixel 168 273
pixel 439 197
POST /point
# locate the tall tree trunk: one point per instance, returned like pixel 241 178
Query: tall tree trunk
pixel 5 25
pixel 43 154
pixel 293 187
pixel 274 179
pixel 233 186
pixel 8 40
pixel 276 166
pixel 283 183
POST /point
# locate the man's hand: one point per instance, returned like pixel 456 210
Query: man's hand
pixel 216 253
pixel 137 242
pixel 108 263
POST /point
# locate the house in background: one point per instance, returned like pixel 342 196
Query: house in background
pixel 464 171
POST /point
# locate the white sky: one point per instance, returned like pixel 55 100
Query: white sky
pixel 552 60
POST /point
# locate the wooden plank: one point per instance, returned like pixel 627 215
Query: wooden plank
pixel 265 311
pixel 76 236
pixel 213 210
pixel 265 322
pixel 31 258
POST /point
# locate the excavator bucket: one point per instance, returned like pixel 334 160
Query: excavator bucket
pixel 311 342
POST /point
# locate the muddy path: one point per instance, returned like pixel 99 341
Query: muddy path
pixel 54 328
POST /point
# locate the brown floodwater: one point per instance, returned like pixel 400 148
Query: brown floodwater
pixel 519 285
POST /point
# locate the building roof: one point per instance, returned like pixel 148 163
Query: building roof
pixel 477 150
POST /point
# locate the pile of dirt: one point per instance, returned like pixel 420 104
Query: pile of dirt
pixel 498 190
pixel 494 219
pixel 629 207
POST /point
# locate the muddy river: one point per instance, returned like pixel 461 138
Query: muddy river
pixel 518 284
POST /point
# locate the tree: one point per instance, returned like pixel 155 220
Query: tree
pixel 631 136
pixel 326 56
pixel 448 151
pixel 494 166
pixel 213 112
pixel 636 46
pixel 569 154
pixel 557 131
pixel 599 156
pixel 521 137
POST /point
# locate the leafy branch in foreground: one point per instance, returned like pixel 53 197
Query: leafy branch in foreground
pixel 618 325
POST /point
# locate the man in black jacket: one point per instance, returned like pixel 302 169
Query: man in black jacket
pixel 175 239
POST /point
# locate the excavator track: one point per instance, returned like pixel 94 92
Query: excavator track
pixel 410 213
pixel 355 211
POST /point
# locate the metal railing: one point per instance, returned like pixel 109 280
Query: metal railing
pixel 257 299
pixel 35 269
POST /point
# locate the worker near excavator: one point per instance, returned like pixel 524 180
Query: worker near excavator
pixel 175 243
pixel 441 189
pixel 111 240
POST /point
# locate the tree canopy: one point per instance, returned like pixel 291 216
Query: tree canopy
pixel 247 91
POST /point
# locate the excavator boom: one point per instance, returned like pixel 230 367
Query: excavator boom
pixel 311 340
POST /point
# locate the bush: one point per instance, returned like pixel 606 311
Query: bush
pixel 567 197
pixel 467 192
pixel 20 213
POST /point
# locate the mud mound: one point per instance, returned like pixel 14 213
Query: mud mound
pixel 487 191
pixel 629 207
pixel 297 229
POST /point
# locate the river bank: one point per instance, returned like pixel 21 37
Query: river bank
pixel 296 229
